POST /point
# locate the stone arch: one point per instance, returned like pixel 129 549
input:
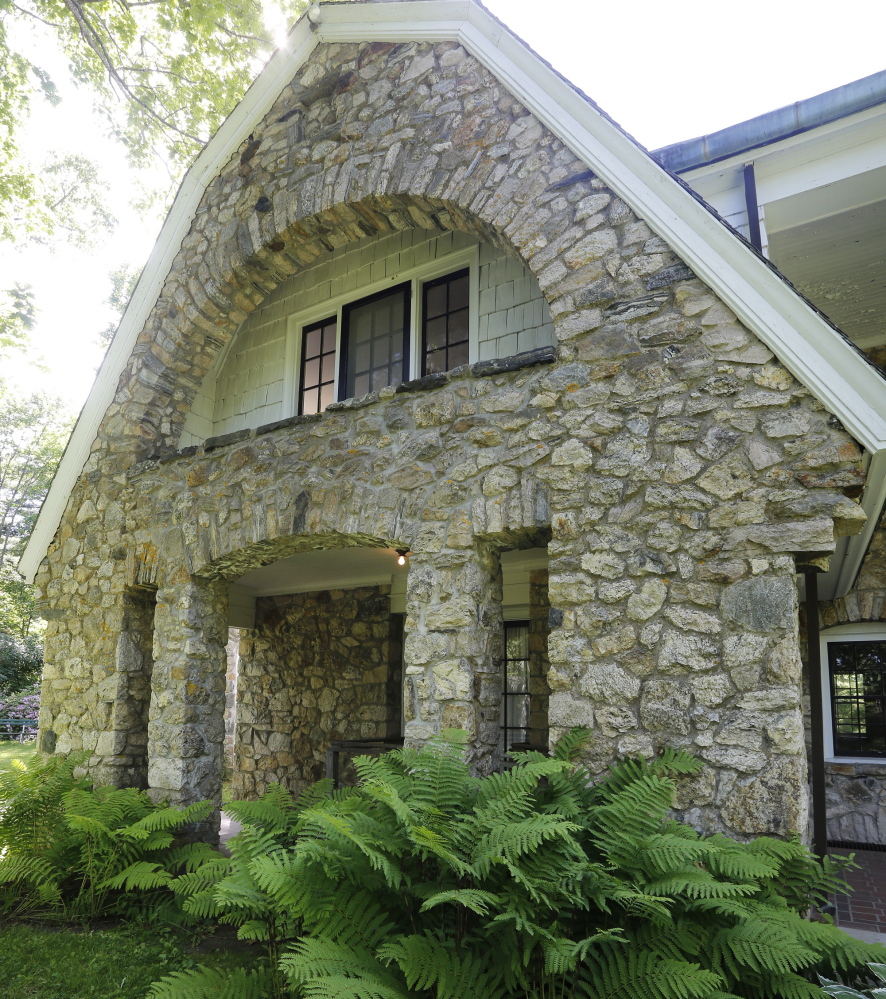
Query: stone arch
pixel 316 175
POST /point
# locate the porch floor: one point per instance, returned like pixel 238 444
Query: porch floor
pixel 865 909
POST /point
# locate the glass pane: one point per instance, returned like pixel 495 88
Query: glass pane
pixel 361 357
pixel 517 641
pixel 312 372
pixel 325 396
pixel 381 352
pixel 858 673
pixel 328 367
pixel 435 333
pixel 361 385
pixel 458 326
pixel 329 337
pixel 436 362
pixel 309 401
pixel 458 293
pixel 435 301
pixel 380 378
pixel 312 343
pixel 458 354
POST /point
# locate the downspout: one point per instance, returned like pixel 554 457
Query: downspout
pixel 753 207
pixel 819 803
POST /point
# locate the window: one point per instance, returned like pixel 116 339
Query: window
pixel 318 366
pixel 446 322
pixel 360 342
pixel 515 694
pixel 858 697
pixel 375 342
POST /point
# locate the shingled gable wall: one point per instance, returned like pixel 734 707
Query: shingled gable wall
pixel 674 465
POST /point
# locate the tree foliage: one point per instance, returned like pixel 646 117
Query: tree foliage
pixel 426 882
pixel 164 74
pixel 33 432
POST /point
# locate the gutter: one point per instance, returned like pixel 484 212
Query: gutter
pixel 774 126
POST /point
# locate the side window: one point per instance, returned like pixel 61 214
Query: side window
pixel 375 342
pixel 857 674
pixel 445 318
pixel 317 366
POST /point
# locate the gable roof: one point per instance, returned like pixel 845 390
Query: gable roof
pixel 804 341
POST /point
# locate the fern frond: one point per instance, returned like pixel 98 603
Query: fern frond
pixel 209 983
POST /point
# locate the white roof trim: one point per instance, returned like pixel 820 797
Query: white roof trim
pixel 814 352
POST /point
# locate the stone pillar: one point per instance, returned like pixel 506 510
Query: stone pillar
pixel 539 664
pixel 123 746
pixel 186 730
pixel 454 649
pixel 653 651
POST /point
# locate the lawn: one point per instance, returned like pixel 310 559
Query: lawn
pixel 11 750
pixel 47 963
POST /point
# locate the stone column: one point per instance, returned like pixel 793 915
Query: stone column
pixel 454 649
pixel 186 731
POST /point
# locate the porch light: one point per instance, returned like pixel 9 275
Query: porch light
pixel 401 555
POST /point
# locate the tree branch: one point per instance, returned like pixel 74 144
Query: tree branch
pixel 93 39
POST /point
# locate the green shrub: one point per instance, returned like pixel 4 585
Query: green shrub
pixel 425 881
pixel 839 991
pixel 74 851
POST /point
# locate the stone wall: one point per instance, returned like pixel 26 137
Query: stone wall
pixel 672 462
pixel 317 667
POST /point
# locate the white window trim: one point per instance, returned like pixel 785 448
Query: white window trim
pixel 861 631
pixel 416 276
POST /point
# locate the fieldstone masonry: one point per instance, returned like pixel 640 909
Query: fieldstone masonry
pixel 672 465
pixel 317 667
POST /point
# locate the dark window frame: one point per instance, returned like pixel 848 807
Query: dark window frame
pixel 426 287
pixel 344 333
pixel 840 750
pixel 306 329
pixel 507 695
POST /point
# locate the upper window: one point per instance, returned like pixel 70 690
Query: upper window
pixel 857 671
pixel 317 383
pixel 446 322
pixel 421 326
pixel 375 342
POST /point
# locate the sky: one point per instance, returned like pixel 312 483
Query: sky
pixel 665 72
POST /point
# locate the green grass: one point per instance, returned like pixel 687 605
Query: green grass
pixel 48 963
pixel 11 750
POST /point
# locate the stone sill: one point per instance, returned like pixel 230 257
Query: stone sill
pixel 847 766
pixel 479 369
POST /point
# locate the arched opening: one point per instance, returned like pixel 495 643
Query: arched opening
pixel 319 665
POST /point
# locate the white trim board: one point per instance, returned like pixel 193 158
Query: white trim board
pixel 814 352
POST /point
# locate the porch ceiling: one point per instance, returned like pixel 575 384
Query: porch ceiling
pixel 330 569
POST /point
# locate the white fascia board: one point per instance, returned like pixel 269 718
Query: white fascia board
pixel 807 345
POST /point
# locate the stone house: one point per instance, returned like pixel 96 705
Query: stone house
pixel 464 413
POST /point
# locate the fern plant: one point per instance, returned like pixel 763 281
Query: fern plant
pixel 425 882
pixel 75 851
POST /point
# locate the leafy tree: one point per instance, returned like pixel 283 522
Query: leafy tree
pixel 33 433
pixel 123 281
